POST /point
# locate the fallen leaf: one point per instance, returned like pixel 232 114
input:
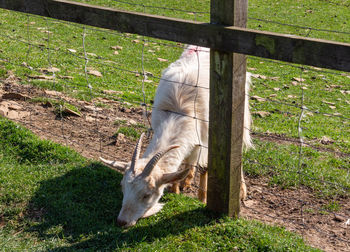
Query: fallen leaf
pixel 329 103
pixel 162 60
pixel 252 69
pixel 92 54
pixel 72 50
pixel 259 76
pixel 49 32
pixel 298 79
pixel 42 77
pixel 50 70
pixel 336 86
pixel 115 52
pixel 309 114
pixel 95 73
pixel 291 96
pixel 345 91
pixel 262 114
pixel 257 98
pixel 276 89
pixel 117 47
pixel 112 92
pixel 147 81
pixel 295 83
pixel 272 95
pixel 332 107
pixel 136 41
pixel 274 78
pixel 305 88
pixel 53 93
pixel 66 77
pixel 92 108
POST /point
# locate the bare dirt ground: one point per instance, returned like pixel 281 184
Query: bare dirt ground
pixel 92 135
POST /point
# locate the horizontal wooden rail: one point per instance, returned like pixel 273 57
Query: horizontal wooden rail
pixel 289 48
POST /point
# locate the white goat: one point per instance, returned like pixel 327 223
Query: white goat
pixel 182 95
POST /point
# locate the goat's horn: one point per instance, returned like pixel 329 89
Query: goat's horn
pixel 154 160
pixel 136 154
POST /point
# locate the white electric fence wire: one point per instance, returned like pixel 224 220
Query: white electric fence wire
pixel 96 110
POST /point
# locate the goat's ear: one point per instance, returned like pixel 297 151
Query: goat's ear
pixel 174 177
pixel 115 165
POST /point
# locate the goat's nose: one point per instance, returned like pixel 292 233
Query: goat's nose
pixel 121 222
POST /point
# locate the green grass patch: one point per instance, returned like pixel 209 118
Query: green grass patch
pixel 129 132
pixel 323 173
pixel 53 199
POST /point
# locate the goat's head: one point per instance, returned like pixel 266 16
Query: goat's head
pixel 142 185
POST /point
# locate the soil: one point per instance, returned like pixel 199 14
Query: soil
pixel 93 135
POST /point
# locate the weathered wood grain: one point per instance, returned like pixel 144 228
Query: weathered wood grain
pixel 289 48
pixel 226 110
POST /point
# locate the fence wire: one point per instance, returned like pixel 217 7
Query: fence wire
pixel 104 145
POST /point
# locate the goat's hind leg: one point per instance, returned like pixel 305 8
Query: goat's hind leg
pixel 203 186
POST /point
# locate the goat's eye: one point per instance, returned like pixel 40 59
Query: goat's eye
pixel 146 196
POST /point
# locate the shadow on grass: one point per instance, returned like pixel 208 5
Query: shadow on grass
pixel 81 208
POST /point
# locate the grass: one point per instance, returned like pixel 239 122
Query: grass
pixel 324 173
pixel 37 182
pixel 130 130
pixel 53 199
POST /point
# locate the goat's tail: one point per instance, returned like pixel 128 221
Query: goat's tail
pixel 247 140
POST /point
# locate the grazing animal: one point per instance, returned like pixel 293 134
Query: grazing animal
pixel 180 125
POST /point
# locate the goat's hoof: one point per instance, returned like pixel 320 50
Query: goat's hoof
pixel 187 187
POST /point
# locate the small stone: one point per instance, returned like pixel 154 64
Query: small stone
pixel 95 73
pixel 121 138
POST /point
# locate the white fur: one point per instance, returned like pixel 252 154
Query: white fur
pixel 177 101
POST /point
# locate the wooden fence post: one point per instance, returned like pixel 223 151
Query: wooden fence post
pixel 227 96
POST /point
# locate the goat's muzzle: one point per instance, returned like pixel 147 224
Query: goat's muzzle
pixel 121 223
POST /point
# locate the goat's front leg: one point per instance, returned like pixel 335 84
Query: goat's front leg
pixel 175 188
pixel 188 180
